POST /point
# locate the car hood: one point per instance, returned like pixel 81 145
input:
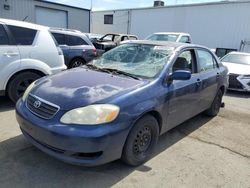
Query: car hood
pixel 81 87
pixel 235 68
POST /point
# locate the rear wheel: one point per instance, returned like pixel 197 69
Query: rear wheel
pixel 77 63
pixel 141 141
pixel 19 83
pixel 216 105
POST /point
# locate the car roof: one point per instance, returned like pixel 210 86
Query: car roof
pixel 23 24
pixel 239 53
pixel 166 43
pixel 172 33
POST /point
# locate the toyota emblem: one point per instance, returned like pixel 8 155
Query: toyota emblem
pixel 37 104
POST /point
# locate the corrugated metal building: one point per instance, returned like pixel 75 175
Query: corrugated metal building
pixel 216 25
pixel 46 13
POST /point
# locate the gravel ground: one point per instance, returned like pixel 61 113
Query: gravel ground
pixel 202 152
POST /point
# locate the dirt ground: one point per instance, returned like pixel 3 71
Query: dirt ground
pixel 202 152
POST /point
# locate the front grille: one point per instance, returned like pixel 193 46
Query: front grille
pixel 41 107
pixel 234 83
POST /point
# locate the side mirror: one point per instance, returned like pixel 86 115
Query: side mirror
pixel 181 75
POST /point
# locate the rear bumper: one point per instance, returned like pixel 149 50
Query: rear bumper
pixel 73 144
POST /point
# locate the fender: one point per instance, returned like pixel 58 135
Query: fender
pixel 20 65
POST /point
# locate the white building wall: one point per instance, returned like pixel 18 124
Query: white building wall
pixel 216 25
pixel 120 22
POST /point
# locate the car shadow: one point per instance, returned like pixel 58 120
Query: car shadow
pixel 6 104
pixel 24 165
pixel 238 94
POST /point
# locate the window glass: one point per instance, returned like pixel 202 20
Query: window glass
pixel 3 36
pixel 23 36
pixel 75 40
pixel 184 62
pixel 184 39
pixel 163 37
pixel 124 38
pixel 243 59
pixel 132 38
pixel 108 19
pixel 138 59
pixel 60 38
pixel 206 60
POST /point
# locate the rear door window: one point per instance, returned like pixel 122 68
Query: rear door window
pixel 60 38
pixel 75 40
pixel 206 61
pixel 23 36
pixel 4 40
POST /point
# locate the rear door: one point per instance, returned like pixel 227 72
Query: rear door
pixel 209 73
pixel 9 53
pixel 184 96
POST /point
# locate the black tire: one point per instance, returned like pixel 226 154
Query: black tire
pixel 141 141
pixel 76 63
pixel 19 83
pixel 216 105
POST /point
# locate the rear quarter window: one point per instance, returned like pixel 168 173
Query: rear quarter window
pixel 23 36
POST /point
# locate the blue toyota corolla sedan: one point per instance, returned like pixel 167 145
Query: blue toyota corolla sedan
pixel 118 105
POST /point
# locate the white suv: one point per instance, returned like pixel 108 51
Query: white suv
pixel 27 52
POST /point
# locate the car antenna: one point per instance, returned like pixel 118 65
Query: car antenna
pixel 25 18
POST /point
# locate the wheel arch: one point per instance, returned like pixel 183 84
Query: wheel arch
pixel 153 113
pixel 22 71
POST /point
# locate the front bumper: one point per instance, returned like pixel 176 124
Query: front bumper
pixel 238 83
pixel 80 145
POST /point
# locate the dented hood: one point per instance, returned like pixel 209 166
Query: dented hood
pixel 81 87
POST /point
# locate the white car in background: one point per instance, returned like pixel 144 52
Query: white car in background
pixel 171 36
pixel 238 65
pixel 27 52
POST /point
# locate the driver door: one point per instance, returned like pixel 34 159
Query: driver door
pixel 184 95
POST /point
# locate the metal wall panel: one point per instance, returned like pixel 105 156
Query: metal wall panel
pixel 216 25
pixel 21 9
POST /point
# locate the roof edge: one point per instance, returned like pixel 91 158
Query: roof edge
pixel 179 5
pixel 64 5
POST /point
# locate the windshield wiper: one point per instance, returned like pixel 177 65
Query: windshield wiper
pixel 116 71
pixel 93 67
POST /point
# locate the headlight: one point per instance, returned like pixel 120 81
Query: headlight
pixel 91 115
pixel 28 90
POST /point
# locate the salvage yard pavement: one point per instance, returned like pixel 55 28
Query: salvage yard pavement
pixel 202 152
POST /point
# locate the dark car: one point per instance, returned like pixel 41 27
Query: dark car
pixel 111 40
pixel 76 46
pixel 119 105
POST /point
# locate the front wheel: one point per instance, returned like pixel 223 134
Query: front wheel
pixel 141 141
pixel 19 83
pixel 215 107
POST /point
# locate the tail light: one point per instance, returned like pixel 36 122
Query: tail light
pixel 60 52
pixel 95 51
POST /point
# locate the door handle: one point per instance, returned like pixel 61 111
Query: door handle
pixel 10 54
pixel 198 82
pixel 218 75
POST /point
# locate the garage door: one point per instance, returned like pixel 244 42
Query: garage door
pixel 51 17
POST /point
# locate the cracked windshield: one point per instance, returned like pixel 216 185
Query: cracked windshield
pixel 137 59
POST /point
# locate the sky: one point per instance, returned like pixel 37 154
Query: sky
pixel 118 4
